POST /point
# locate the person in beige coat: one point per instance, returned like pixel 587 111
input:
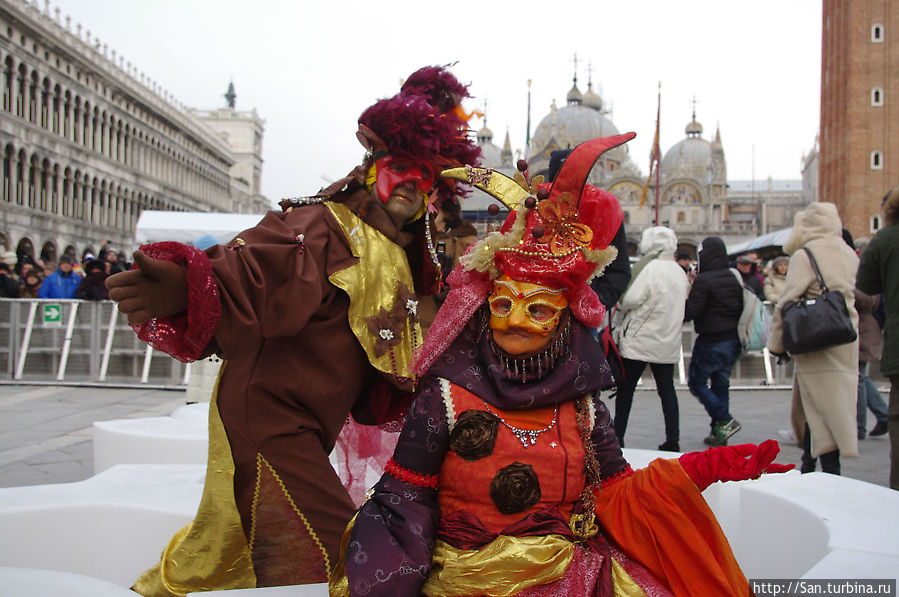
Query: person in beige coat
pixel 825 386
pixel 774 283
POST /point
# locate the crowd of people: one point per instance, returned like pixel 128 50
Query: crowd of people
pixel 23 276
pixel 832 391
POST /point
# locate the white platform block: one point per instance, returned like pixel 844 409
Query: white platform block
pixel 36 582
pixel 316 590
pixel 181 438
pixel 112 526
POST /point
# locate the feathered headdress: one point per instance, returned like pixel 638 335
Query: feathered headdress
pixel 407 125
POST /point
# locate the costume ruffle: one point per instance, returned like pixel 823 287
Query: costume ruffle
pixel 185 336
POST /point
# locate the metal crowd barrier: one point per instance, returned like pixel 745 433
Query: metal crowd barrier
pixel 79 342
pixel 90 343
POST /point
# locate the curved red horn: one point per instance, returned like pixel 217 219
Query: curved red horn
pixel 573 174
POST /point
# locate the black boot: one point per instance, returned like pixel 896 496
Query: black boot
pixel 830 462
pixel 809 464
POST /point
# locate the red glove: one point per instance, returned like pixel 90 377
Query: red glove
pixel 732 463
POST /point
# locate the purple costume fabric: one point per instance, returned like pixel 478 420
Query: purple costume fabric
pixel 389 552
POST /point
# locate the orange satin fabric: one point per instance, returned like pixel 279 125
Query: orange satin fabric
pixel 557 458
pixel 660 519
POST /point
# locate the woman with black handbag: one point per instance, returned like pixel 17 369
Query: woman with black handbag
pixel 823 412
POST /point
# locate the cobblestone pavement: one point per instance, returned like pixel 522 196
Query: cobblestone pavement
pixel 45 431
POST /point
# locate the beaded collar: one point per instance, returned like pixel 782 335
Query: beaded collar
pixel 535 366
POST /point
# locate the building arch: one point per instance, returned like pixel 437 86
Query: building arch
pixel 43 190
pixel 67 190
pixel 56 110
pixel 20 90
pixel 9 173
pixel 33 97
pixel 8 84
pixel 49 252
pixel 25 248
pixel 44 107
pixel 33 180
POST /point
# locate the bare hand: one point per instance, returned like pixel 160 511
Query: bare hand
pixel 156 289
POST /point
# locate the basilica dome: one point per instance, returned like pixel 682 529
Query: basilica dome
pixel 568 127
pixel 491 155
pixel 688 158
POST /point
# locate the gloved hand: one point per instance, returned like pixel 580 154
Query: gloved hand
pixel 732 463
pixel 157 288
pixel 782 357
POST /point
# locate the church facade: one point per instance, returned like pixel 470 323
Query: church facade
pixel 695 198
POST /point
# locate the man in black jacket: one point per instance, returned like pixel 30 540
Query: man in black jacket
pixel 747 268
pixel 714 306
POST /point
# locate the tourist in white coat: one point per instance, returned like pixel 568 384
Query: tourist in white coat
pixel 651 320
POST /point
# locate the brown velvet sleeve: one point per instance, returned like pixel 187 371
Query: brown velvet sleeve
pixel 273 280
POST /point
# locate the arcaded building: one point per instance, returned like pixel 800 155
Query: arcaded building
pixel 88 142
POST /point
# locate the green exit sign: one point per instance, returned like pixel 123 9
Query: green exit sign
pixel 52 314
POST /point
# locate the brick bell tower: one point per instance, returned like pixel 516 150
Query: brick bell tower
pixel 859 137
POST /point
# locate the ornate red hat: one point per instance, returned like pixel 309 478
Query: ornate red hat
pixel 555 235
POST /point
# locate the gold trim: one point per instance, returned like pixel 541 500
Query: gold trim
pixel 260 460
pixel 338 584
pixel 623 584
pixel 505 566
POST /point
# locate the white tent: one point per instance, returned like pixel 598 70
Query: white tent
pixel 187 227
pixel 772 239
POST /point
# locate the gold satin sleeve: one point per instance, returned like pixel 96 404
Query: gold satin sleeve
pixel 211 552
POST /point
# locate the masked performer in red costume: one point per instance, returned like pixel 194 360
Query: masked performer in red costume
pixel 507 478
pixel 314 313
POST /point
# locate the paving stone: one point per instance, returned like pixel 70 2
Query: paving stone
pixel 46 431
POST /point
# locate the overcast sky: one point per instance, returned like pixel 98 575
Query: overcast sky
pixel 310 68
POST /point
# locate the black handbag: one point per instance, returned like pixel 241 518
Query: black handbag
pixel 817 323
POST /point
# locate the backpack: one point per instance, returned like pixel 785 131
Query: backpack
pixel 754 325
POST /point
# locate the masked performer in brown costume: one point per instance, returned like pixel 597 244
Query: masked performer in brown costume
pixel 313 311
pixel 508 478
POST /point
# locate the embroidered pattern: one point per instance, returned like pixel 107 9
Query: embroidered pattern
pixel 563 231
pixel 448 403
pixel 477 176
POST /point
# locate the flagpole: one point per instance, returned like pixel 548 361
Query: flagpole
pixel 527 138
pixel 657 151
